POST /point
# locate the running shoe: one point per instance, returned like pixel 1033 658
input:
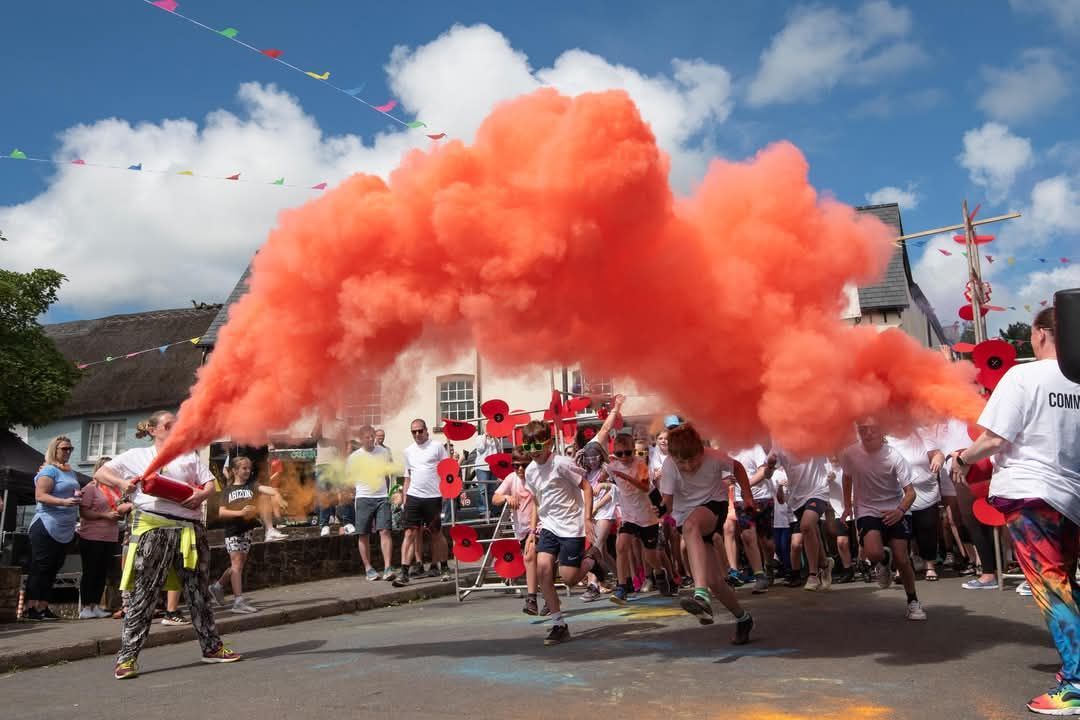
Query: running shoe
pixel 883 576
pixel 222 655
pixel 530 606
pixel 125 670
pixel 813 583
pixel 664 584
pixel 733 578
pixel 545 611
pixel 950 559
pixel 591 594
pixel 241 605
pixel 761 584
pixel 273 535
pixel 699 606
pixel 1024 589
pixel 349 529
pixel 825 573
pixel 87 613
pixel 218 592
pixel 619 596
pixel 558 634
pixel 793 580
pixel 102 612
pixel 1061 700
pixel 173 618
pixel 372 574
pixel 48 615
pixel 686 583
pixel 915 611
pixel 433 571
pixel 402 579
pixel 845 576
pixel 977 584
pixel 968 568
pixel 388 574
pixel 742 630
pixel 325 532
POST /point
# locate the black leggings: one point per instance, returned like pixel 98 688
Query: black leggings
pixel 46 558
pixel 97 557
pixel 925 523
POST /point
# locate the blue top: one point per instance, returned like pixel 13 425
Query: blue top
pixel 59 521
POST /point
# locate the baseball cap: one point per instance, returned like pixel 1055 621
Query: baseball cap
pixel 672 420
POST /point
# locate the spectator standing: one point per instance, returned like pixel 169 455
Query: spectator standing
pixel 100 511
pixel 57 492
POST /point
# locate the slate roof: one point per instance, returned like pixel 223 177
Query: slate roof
pixel 892 291
pixel 209 338
pixel 149 381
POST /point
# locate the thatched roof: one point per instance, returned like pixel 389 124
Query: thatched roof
pixel 149 381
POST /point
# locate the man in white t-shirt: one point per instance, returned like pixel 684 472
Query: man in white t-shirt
pixel 807 495
pixel 366 466
pixel 883 494
pixel 423 500
pixel 1032 428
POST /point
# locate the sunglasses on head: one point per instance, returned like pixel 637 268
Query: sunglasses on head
pixel 536 446
pixel 623 453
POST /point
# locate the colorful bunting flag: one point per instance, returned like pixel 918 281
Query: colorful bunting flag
pixel 1042 260
pixel 81 366
pixel 324 76
pixel 234 177
pixel 320 186
pixel 438 136
pixel 195 340
pixel 78 162
pixel 990 259
pixel 1043 303
pixel 355 91
pixel 17 154
pixel 944 252
pixel 387 107
pixel 229 32
pixel 137 166
pixel 1028 308
pixel 1010 260
pixel 279 181
pixel 1064 261
pixel 271 52
pixel 166 5
pixel 415 124
pixel 162 349
pixel 185 172
pixel 109 358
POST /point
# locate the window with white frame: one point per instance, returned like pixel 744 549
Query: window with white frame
pixel 457 398
pixel 598 386
pixel 104 438
pixel 363 404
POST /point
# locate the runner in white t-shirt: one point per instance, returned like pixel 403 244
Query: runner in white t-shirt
pixel 639 518
pixel 753 528
pixel 920 450
pixel 423 500
pixel 807 495
pixel 883 494
pixel 694 484
pixel 1032 428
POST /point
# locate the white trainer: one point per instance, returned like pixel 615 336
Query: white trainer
pixel 915 611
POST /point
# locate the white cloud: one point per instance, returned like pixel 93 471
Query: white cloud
pixel 1030 88
pixel 822 47
pixel 993 157
pixel 907 199
pixel 1065 14
pixel 151 240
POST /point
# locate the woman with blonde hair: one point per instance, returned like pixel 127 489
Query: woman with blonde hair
pixel 168 545
pixel 57 492
pixel 100 510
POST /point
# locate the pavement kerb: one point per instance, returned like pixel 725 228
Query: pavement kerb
pixel 84 649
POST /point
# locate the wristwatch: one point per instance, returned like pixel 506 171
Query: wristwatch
pixel 960 459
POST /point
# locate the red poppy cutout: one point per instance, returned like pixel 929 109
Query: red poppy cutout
pixel 993 358
pixel 963 347
pixel 449 478
pixel 986 513
pixel 569 430
pixel 500 422
pixel 501 464
pixel 966 313
pixel 457 430
pixel 509 563
pixel 467 547
pixel 589 433
pixel 578 404
pixel 980 472
pixel 979 489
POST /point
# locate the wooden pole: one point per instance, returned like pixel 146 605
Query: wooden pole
pixel 975 276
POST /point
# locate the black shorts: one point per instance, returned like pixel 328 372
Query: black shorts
pixel 422 512
pixel 814 504
pixel 899 531
pixel 648 534
pixel 571 551
pixel 761 517
pixel 719 508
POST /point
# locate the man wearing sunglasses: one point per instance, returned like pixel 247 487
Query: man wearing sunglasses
pixel 423 500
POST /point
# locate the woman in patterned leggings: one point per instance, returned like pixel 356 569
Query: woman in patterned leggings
pixel 168 546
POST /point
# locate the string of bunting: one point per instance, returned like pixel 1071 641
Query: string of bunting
pixel 160 348
pixel 18 154
pixel 231 33
pixel 1010 260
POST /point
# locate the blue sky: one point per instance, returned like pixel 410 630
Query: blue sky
pixel 877 95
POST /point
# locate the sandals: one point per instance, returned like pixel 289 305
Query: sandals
pixel 931 576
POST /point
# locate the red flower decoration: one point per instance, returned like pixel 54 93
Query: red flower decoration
pixel 457 430
pixel 501 464
pixel 986 513
pixel 993 358
pixel 963 347
pixel 449 478
pixel 509 563
pixel 467 547
pixel 500 422
pixel 966 313
pixel 569 430
pixel 589 433
pixel 577 404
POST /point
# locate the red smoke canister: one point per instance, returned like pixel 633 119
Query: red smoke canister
pixel 166 489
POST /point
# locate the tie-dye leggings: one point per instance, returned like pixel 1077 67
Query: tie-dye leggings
pixel 1046 545
pixel 157 551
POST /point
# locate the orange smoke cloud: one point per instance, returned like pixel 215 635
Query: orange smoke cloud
pixel 556 239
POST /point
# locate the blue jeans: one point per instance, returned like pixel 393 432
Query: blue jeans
pixel 345 512
pixel 782 540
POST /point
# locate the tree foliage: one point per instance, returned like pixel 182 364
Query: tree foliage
pixel 1020 335
pixel 35 379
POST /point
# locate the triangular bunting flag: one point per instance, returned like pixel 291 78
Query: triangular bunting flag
pixel 272 53
pixel 415 124
pixel 234 177
pixel 137 166
pixel 1010 260
pixel 387 107
pixel 109 358
pixel 162 349
pixel 990 259
pixel 355 91
pixel 1028 308
pixel 439 136
pixel 78 162
pixel 166 5
pixel 944 252
pixel 320 186
pixel 82 366
pixel 324 76
pixel 17 154
pixel 229 32
pixel 1064 261
pixel 279 181
pixel 1042 260
pixel 185 172
pixel 195 341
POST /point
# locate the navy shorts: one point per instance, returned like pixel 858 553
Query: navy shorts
pixel 814 504
pixel 422 512
pixel 571 551
pixel 761 516
pixel 899 531
pixel 719 508
pixel 648 534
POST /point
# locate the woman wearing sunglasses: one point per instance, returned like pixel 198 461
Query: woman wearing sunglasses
pixel 57 492
pixel 694 483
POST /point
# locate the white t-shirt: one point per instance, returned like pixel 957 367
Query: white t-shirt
pixel 421 462
pixel 186 469
pixel 915 449
pixel 949 437
pixel 368 487
pixel 836 487
pixel 807 479
pixel 782 515
pixel 486 446
pixel 656 459
pixel 560 505
pixel 692 490
pixel 607 512
pixel 877 479
pixel 634 504
pixel 1037 409
pixel 751 459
